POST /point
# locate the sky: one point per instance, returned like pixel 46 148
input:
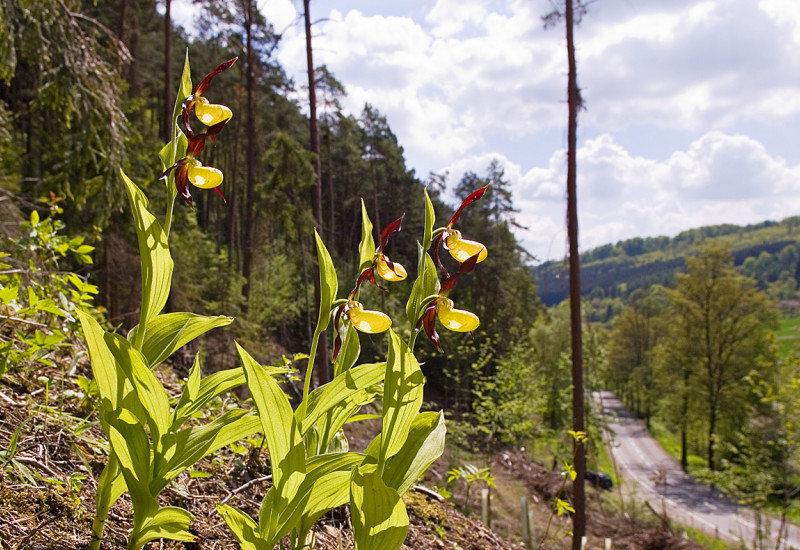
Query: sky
pixel 692 108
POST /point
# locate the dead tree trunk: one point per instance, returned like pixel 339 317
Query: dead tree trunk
pixel 322 361
pixel 578 423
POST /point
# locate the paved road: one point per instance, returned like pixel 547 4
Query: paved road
pixel 658 479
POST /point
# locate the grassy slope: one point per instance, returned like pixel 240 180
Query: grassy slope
pixel 788 335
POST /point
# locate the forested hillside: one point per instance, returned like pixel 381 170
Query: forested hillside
pixel 87 88
pixel 766 251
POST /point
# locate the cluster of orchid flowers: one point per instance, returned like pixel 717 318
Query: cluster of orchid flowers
pixel 214 117
pixel 466 252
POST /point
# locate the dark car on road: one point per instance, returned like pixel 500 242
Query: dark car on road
pixel 599 480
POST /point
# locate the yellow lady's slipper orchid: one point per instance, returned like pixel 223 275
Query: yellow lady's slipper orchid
pixel 395 272
pixel 366 320
pixel 204 177
pixel 211 113
pixel 189 169
pixel 457 320
pixel 463 249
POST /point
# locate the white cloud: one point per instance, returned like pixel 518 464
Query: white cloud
pixel 719 178
pixel 453 80
pixel 784 12
pixel 471 69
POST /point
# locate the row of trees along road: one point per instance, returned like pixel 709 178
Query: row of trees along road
pixel 686 353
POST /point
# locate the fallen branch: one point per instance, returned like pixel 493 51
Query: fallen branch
pixel 245 486
pixel 429 492
pixel 24 542
pixel 663 518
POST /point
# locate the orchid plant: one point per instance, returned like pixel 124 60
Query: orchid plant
pixel 313 470
pixel 149 444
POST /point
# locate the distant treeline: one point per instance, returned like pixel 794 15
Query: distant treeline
pixel 767 251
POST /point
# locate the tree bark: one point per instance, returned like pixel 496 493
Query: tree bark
pixel 322 354
pixel 133 47
pixel 578 423
pixel 249 221
pixel 166 130
pixel 712 426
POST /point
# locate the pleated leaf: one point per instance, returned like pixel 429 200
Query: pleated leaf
pixel 169 522
pixel 169 332
pixel 402 396
pixel 341 390
pixel 243 527
pixel 366 249
pixel 379 517
pixel 154 253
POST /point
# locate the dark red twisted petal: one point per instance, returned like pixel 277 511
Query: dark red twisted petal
pixel 186 108
pixel 216 128
pixel 464 267
pixel 218 192
pixel 390 230
pixel 390 265
pixel 196 145
pixel 438 261
pixel 182 183
pixel 472 197
pixel 429 324
pixel 203 86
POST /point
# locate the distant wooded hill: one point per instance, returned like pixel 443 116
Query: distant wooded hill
pixel 768 251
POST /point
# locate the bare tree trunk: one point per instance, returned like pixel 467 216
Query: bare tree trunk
pixel 712 426
pixel 133 47
pixel 249 221
pixel 167 119
pixel 578 421
pixel 331 235
pixel 322 361
pixel 123 23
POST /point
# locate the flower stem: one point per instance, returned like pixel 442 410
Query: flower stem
pixel 307 383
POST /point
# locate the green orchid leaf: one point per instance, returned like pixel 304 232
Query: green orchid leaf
pixel 191 389
pixel 110 486
pixel 176 148
pixel 380 521
pixel 351 349
pixel 285 444
pixel 155 257
pixel 325 487
pixel 426 284
pixel 196 442
pixel 150 392
pixel 425 443
pixel 185 87
pixel 168 522
pixel 430 218
pixel 103 363
pixel 402 396
pixel 340 391
pixel 366 250
pixel 328 492
pixel 169 332
pixel 131 446
pixel 193 399
pixel 243 527
pixel 329 284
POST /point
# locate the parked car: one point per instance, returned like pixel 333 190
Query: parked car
pixel 599 480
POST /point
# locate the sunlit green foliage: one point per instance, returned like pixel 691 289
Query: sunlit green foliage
pixel 38 297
